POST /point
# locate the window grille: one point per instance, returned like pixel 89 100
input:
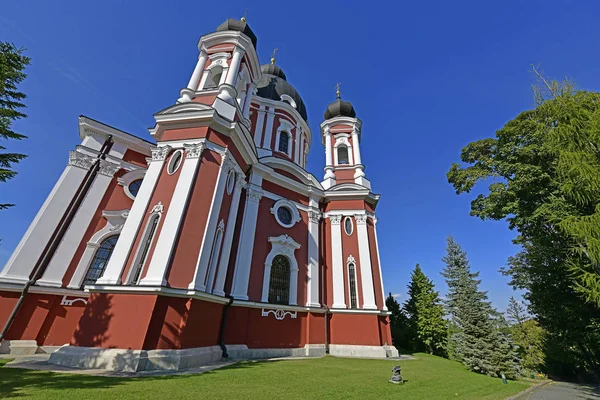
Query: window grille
pixel 100 260
pixel 352 279
pixel 279 282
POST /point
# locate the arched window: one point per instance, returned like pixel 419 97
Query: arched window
pixel 279 281
pixel 352 284
pixel 284 145
pixel 144 248
pixel 100 260
pixel 214 257
pixel 134 187
pixel 342 155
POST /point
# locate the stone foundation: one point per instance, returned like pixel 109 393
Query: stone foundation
pixel 18 347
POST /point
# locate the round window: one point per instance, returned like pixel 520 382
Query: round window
pixel 284 215
pixel 134 187
pixel 348 226
pixel 175 162
pixel 230 181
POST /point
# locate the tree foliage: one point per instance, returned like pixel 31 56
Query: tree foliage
pixel 12 64
pixel 478 342
pixel 398 323
pixel 543 169
pixel 426 326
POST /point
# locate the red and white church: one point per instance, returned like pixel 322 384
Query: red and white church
pixel 214 241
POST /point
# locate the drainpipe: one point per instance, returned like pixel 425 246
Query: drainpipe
pixel 59 233
pixel 222 328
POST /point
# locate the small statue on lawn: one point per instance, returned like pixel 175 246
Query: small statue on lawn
pixel 396 377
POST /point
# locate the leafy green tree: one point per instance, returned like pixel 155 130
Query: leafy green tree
pixel 427 328
pixel 528 336
pixel 12 64
pixel 478 343
pixel 544 167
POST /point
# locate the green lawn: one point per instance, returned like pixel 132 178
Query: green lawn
pixel 427 377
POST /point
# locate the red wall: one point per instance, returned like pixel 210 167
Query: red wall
pixel 355 329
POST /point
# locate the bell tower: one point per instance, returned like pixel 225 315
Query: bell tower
pixel 341 133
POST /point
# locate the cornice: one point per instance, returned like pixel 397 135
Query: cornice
pixel 88 126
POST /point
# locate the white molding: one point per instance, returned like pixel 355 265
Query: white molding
pixel 285 246
pixel 171 169
pixel 259 126
pixel 114 225
pixel 348 218
pixel 342 141
pixel 276 197
pixel 277 104
pixel 10 287
pixel 279 314
pixel 157 290
pixel 284 126
pixel 364 256
pixel 214 256
pixel 351 260
pixel 128 178
pixel 286 98
pixel 90 127
pixel 312 273
pixel 269 129
pixel 293 209
pixel 379 262
pixel 339 300
pixel 156 212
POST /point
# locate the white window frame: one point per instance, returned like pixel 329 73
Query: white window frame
pixel 286 246
pixel 156 212
pixel 128 178
pixel 342 140
pixel 285 126
pixel 214 257
pixel 217 60
pixel 172 159
pixel 291 206
pixel 351 226
pixel 349 261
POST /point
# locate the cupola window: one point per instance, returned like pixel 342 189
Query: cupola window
pixel 284 145
pixel 342 155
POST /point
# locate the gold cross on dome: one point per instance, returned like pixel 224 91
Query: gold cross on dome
pixel 244 17
pixel 273 55
pixel 337 90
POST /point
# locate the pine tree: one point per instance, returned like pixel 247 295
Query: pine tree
pixel 478 344
pixel 398 323
pixel 528 336
pixel 426 325
pixel 12 64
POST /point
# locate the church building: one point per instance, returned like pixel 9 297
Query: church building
pixel 211 241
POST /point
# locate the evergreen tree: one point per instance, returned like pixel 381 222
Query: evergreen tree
pixel 426 325
pixel 528 336
pixel 478 344
pixel 12 64
pixel 398 323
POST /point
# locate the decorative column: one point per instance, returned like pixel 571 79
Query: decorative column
pixel 155 276
pixel 199 281
pixel 379 263
pixel 329 179
pixel 365 263
pixel 337 264
pixel 243 261
pixel 120 254
pixel 83 217
pixel 258 129
pixel 359 168
pixel 269 128
pixel 28 251
pixel 248 101
pixel 312 291
pixel 192 86
pixel 228 240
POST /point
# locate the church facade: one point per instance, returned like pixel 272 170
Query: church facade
pixel 213 241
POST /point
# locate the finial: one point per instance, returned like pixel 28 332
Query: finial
pixel 273 55
pixel 244 17
pixel 337 90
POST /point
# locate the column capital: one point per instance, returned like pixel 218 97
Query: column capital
pixel 80 160
pixel 314 216
pixel 194 150
pixel 160 153
pixel 254 193
pixel 361 219
pixel 108 168
pixel 335 219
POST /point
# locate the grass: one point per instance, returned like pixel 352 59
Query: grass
pixel 428 377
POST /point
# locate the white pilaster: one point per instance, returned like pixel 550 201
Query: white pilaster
pixel 192 85
pixel 329 179
pixel 269 129
pixel 28 251
pixel 248 101
pixel 198 283
pixel 337 264
pixel 228 240
pixel 174 218
pixel 234 67
pixel 114 269
pixel 258 129
pixel 72 239
pixel 379 263
pixel 243 260
pixel 364 254
pixel 297 145
pixel 312 292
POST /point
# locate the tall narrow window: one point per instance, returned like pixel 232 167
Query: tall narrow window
pixel 100 260
pixel 279 282
pixel 342 155
pixel 144 249
pixel 214 258
pixel 352 284
pixel 284 145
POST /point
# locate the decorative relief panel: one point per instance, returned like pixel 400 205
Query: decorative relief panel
pixel 279 314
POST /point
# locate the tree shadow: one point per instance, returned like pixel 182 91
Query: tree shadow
pixel 93 325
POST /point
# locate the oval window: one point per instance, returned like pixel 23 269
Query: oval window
pixel 348 226
pixel 284 215
pixel 175 162
pixel 230 181
pixel 134 187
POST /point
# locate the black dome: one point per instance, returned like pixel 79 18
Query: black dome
pixel 274 85
pixel 340 108
pixel 240 26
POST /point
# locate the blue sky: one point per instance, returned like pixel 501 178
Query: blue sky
pixel 426 78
